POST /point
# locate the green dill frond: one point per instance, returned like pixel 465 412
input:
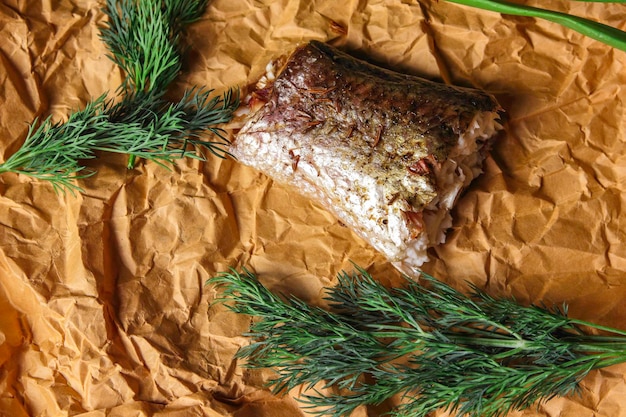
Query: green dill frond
pixel 52 150
pixel 178 129
pixel 203 114
pixel 143 38
pixel 182 13
pixel 436 347
pixel 140 42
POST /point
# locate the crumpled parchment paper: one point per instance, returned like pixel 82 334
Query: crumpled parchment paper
pixel 103 304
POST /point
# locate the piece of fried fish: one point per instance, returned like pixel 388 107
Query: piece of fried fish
pixel 388 153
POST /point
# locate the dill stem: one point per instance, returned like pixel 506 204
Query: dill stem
pixel 577 344
pixel 597 326
pixel 591 346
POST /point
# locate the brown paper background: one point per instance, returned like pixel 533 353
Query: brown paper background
pixel 103 308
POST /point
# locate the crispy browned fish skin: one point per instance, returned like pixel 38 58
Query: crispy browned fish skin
pixel 370 97
pixel 391 127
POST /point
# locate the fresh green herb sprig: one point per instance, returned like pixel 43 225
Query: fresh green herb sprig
pixel 441 349
pixel 144 39
pixel 155 130
pixel 185 123
pixel 595 30
pixel 140 41
pixel 52 151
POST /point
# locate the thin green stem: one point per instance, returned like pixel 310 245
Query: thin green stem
pixel 597 327
pixel 595 30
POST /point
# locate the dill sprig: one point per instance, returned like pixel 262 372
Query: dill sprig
pixel 155 130
pixel 437 347
pixel 140 41
pixel 52 151
pixel 144 39
pixel 185 124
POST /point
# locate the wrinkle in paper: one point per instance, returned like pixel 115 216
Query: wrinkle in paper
pixel 103 308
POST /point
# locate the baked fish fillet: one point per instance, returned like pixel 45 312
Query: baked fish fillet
pixel 388 153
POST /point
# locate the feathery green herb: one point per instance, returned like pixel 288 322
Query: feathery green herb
pixel 139 38
pixel 155 130
pixel 144 39
pixel 182 123
pixel 441 349
pixel 595 30
pixel 52 151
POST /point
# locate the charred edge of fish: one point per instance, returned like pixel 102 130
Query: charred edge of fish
pixel 294 159
pixel 321 91
pixel 338 28
pixel 350 131
pixel 416 219
pixel 393 199
pixel 424 166
pixel 379 135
